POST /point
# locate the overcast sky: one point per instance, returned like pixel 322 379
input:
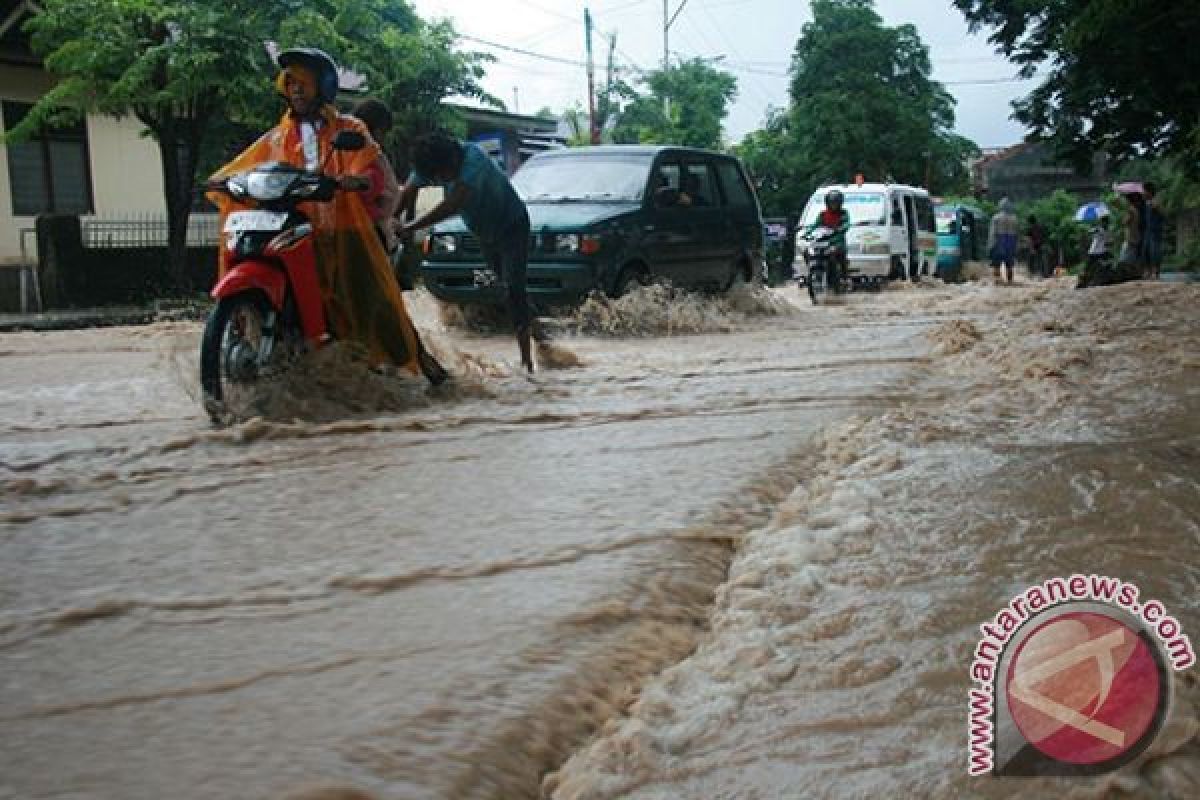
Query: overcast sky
pixel 755 39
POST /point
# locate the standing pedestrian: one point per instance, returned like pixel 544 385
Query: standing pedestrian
pixel 1002 240
pixel 1038 263
pixel 1152 242
pixel 1129 261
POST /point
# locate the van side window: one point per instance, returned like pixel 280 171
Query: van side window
pixel 734 186
pixel 666 176
pixel 897 214
pixel 697 186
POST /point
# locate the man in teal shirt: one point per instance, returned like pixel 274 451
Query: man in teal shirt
pixel 491 209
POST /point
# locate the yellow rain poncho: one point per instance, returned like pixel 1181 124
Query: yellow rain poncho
pixel 361 298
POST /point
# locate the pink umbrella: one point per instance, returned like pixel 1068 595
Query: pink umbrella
pixel 1129 187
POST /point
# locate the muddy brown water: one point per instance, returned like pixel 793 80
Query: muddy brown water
pixel 522 586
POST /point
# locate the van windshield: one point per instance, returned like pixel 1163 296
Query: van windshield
pixel 865 208
pixel 582 179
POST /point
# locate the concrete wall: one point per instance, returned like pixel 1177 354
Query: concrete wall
pixel 125 170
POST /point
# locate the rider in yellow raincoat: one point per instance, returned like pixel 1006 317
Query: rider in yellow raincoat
pixel 361 298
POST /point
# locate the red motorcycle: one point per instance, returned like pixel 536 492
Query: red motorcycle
pixel 269 300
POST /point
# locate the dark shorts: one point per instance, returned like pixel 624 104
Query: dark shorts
pixel 1004 251
pixel 1152 252
pixel 508 257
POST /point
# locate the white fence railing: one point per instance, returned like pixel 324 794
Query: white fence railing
pixel 146 231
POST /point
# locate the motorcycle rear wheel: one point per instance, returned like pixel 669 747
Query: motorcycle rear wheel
pixel 240 339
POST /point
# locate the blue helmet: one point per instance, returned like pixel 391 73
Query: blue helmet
pixel 321 64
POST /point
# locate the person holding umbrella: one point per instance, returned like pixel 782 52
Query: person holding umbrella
pixel 1096 272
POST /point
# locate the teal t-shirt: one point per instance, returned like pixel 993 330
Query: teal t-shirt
pixel 493 207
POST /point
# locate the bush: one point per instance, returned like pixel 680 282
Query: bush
pixel 1066 238
pixel 1187 260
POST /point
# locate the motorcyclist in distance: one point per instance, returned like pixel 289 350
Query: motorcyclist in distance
pixel 835 217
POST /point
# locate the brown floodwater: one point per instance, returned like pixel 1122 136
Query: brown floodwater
pixel 737 549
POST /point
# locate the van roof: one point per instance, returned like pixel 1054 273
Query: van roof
pixel 647 150
pixel 872 187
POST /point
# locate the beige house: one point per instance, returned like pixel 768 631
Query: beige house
pixel 102 167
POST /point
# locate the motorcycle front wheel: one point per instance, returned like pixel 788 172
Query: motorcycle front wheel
pixel 240 341
pixel 817 287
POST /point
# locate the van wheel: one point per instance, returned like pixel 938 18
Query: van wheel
pixel 630 280
pixel 737 277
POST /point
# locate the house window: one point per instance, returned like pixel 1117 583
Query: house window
pixel 49 172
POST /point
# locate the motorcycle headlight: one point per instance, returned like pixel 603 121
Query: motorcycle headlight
pixel 268 185
pixel 446 243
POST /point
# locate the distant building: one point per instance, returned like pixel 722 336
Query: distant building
pixel 105 167
pixel 96 167
pixel 510 139
pixel 1031 170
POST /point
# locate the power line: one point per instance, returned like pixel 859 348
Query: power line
pixel 545 10
pixel 986 82
pixel 522 51
pixel 531 54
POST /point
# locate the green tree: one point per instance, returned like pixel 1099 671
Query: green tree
pixel 1119 76
pixel 773 165
pixel 685 105
pixel 1066 239
pixel 863 101
pixel 176 66
pixel 188 70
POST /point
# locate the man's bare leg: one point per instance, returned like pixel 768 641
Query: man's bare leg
pixel 523 343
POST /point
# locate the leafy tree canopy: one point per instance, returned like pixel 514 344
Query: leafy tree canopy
pixel 862 101
pixel 685 105
pixel 1120 75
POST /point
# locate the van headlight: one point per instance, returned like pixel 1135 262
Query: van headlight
pixel 573 243
pixel 446 243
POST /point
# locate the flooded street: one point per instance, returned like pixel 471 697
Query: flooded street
pixel 746 562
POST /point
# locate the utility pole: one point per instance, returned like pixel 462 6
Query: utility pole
pixel 594 132
pixel 666 27
pixel 667 23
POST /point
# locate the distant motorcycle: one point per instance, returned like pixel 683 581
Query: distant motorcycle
pixel 821 264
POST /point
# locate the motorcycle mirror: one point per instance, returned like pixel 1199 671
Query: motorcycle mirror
pixel 349 140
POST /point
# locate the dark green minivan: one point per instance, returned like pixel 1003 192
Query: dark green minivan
pixel 611 218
